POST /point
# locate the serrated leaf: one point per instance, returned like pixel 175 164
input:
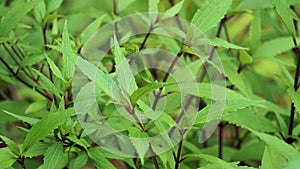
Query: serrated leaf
pixel 283 10
pixel 54 68
pixel 249 119
pixel 99 159
pixel 146 89
pixel 221 164
pixel 69 58
pixel 210 14
pixel 10 144
pixel 139 141
pixel 48 84
pixel 223 43
pixel 44 126
pixel 7 158
pixel 271 159
pixel 53 155
pixel 91 29
pixel 10 20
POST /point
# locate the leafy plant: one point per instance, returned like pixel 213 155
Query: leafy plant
pixel 47 107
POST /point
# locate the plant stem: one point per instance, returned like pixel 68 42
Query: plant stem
pixel 296 79
pixel 177 158
pixel 153 156
pixel 220 141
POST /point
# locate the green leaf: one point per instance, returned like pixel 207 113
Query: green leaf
pixel 279 146
pixel 36 106
pixel 99 159
pixel 139 141
pixel 124 4
pixel 10 144
pixel 52 5
pixel 295 96
pixel 146 89
pixel 283 10
pixel 221 164
pixel 69 58
pixel 91 29
pixel 250 119
pixel 54 68
pixel 124 74
pixel 255 31
pixel 222 43
pixel 36 150
pixel 153 5
pixel 275 47
pixel 7 158
pixel 10 20
pixel 53 155
pixel 210 14
pixel 48 84
pixel 80 161
pixel 214 111
pixel 175 9
pixel 32 59
pixel 271 159
pixel 292 163
pixel 45 126
pixel 22 118
pixel 245 58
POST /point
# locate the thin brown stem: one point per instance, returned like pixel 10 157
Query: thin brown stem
pixel 153 156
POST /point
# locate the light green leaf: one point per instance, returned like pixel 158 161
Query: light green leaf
pixel 275 47
pixel 146 89
pixel 11 145
pixel 7 158
pixel 153 5
pixel 210 14
pixel 215 110
pixel 245 58
pixel 48 84
pixel 222 43
pixel 99 159
pixel 221 164
pixel 53 155
pixel 91 29
pixel 44 126
pixel 283 10
pixel 52 5
pixel 123 4
pixel 279 146
pixel 271 159
pixel 139 141
pixel 10 20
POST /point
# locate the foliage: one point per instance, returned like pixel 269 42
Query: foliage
pixel 42 43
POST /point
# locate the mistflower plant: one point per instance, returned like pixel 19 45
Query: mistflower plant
pixel 149 84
